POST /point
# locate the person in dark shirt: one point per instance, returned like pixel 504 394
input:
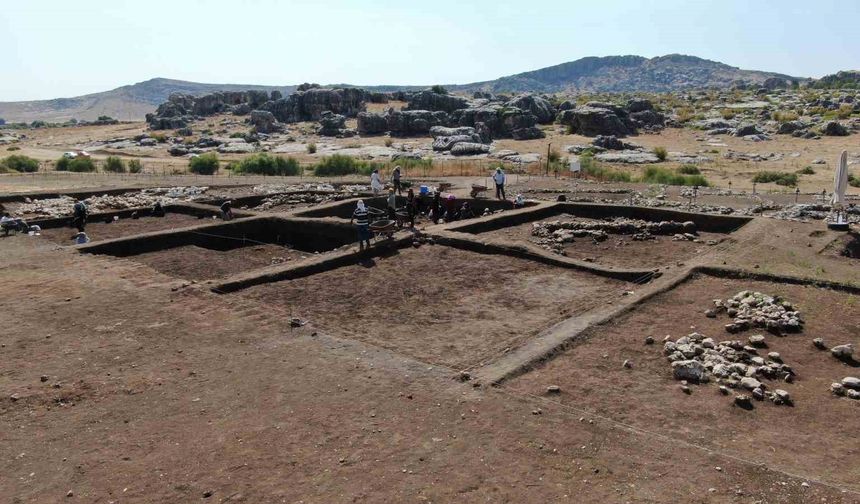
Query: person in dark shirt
pixel 362 225
pixel 436 207
pixel 227 210
pixel 395 181
pixel 157 209
pixel 413 206
pixel 80 214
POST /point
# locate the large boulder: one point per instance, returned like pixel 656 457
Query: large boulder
pixel 264 122
pixel 428 100
pixel 772 83
pixel 790 127
pixel 414 122
pixel 639 105
pixel 444 131
pixel 331 124
pixel 833 128
pixel 370 123
pixel 469 149
pixel 747 129
pixel 648 119
pixel 593 120
pixel 529 133
pixel 540 107
pixel 446 143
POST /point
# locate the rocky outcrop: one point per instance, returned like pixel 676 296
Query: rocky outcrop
pixel 540 107
pixel 787 128
pixel 414 122
pixel 264 121
pixel 434 102
pixel 596 118
pixel 746 130
pixel 370 123
pixel 500 121
pixel 833 128
pixel 309 105
pixel 331 124
pixel 306 105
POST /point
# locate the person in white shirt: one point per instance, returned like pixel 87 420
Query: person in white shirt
pixel 499 179
pixel 375 182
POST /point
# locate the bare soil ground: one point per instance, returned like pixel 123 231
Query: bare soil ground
pixel 806 438
pixel 620 251
pixel 439 304
pixel 99 230
pixel 199 263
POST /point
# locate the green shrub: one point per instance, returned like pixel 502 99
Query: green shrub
pixel 204 164
pixel 20 164
pixel 439 89
pixel 554 157
pixel 389 142
pixel 159 137
pixel 590 168
pixel 79 164
pixel 845 111
pixel 13 148
pixel 665 176
pixel 337 164
pixel 114 164
pixel 806 171
pixel 779 178
pixel 135 166
pixel 727 113
pixel 853 181
pixel 689 169
pixel 264 164
pixel 783 116
pixel 661 153
pixel 312 148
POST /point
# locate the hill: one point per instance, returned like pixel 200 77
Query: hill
pixel 593 74
pixel 615 74
pixel 130 102
pixel 848 79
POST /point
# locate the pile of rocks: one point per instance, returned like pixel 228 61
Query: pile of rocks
pixel 598 118
pixel 553 235
pixel 63 205
pixel 732 364
pixel 303 199
pixel 849 386
pixel 754 309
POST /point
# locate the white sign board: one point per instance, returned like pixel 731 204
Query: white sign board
pixel 575 166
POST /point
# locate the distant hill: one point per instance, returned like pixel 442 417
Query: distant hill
pixel 125 103
pixel 847 79
pixel 616 74
pixel 594 74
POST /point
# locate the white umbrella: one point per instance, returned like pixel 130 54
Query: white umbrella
pixel 840 183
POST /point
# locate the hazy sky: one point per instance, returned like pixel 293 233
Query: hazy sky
pixel 57 48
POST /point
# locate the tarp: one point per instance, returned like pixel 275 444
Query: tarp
pixel 840 182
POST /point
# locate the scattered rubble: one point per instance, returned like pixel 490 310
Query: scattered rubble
pixel 754 309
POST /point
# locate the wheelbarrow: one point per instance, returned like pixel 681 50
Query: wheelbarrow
pixel 383 228
pixel 477 190
pixel 375 214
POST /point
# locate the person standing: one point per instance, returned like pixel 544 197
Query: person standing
pixel 392 205
pixel 375 182
pixel 362 225
pixel 411 206
pixel 436 207
pixel 227 210
pixel 395 180
pixel 499 179
pixel 80 212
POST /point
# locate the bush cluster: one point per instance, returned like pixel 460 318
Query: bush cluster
pixel 20 164
pixel 264 164
pixel 204 164
pixel 79 164
pixel 778 178
pixel 114 164
pixel 665 176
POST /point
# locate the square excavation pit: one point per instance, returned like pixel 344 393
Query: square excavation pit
pixel 439 304
pixel 814 437
pixel 103 226
pixel 215 252
pixel 846 246
pixel 617 250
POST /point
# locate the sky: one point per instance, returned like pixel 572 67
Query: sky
pixel 63 48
